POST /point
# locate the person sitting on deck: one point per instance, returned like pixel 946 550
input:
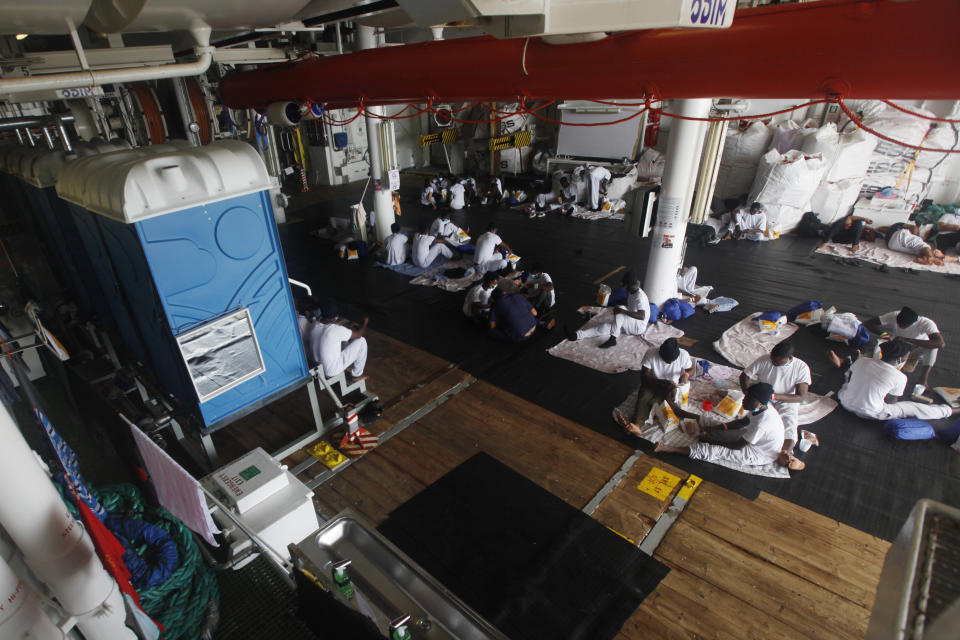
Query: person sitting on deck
pixel 538 287
pixel 327 338
pixel 750 224
pixel 428 196
pixel 564 200
pixel 306 307
pixel 396 245
pixel 489 251
pixel 948 232
pixel 902 238
pixel 494 195
pixel 445 229
pixel 631 319
pixel 790 378
pixel 850 230
pixel 457 195
pixel 427 248
pixel 663 370
pixel 512 317
pixel 873 386
pixel 919 332
pixel 477 304
pixel 755 440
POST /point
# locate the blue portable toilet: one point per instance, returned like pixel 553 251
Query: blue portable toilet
pixel 190 239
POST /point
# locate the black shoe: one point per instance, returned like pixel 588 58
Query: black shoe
pixel 612 342
pixel 571 335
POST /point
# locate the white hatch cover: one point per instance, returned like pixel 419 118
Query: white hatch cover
pixel 143 183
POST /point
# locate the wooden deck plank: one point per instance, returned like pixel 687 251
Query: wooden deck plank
pixel 791 540
pixel 684 606
pixel 794 601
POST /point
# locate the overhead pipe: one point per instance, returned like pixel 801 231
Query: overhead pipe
pixel 33 121
pixel 778 51
pixel 96 77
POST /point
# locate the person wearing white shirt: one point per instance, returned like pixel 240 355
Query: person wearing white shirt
pixel 917 331
pixel 755 440
pixel 790 378
pixel 456 195
pixel 631 319
pixel 396 245
pixel 428 194
pixel 599 177
pixel 539 289
pixel 903 239
pixel 750 224
pixel 427 248
pixel 477 303
pixel 873 385
pixel 662 371
pixel 687 286
pixel 327 348
pixel 564 199
pixel 306 308
pixel 487 256
pixel 444 228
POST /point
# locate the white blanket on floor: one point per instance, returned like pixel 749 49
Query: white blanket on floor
pixel 435 277
pixel 878 253
pixel 714 388
pixel 586 214
pixel 743 343
pixel 628 353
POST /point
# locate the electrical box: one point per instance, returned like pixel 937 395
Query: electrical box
pixel 269 501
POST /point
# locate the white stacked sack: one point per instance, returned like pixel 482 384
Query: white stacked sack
pixel 742 150
pixel 784 184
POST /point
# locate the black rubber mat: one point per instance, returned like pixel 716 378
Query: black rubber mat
pixel 527 561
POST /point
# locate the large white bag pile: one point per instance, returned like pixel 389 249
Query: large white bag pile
pixel 651 163
pixel 784 184
pixel 833 200
pixel 787 136
pixel 742 150
pixel 846 155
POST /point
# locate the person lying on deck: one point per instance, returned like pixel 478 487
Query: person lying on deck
pixel 631 319
pixel 902 237
pixel 873 386
pixel 476 306
pixel 850 230
pixel 396 245
pixel 790 378
pixel 755 440
pixel 512 317
pixel 564 200
pixel 948 232
pixel 426 248
pixel 919 332
pixel 663 370
pixel 327 338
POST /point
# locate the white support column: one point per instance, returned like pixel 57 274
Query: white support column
pixel 679 177
pixel 54 545
pixel 21 616
pixel 382 200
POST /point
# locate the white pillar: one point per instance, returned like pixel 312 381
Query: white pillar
pixel 679 177
pixel 21 617
pixel 382 200
pixel 54 545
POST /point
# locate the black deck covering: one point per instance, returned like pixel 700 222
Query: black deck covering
pixel 858 476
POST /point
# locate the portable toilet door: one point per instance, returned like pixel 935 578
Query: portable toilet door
pixel 197 226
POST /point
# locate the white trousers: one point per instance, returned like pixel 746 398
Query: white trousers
pixel 354 355
pixel 594 192
pixel 747 456
pixel 435 250
pixel 908 409
pixel 789 413
pixel 622 323
pixel 491 265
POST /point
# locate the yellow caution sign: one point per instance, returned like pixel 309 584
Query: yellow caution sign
pixel 440 137
pixel 659 483
pixel 517 140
